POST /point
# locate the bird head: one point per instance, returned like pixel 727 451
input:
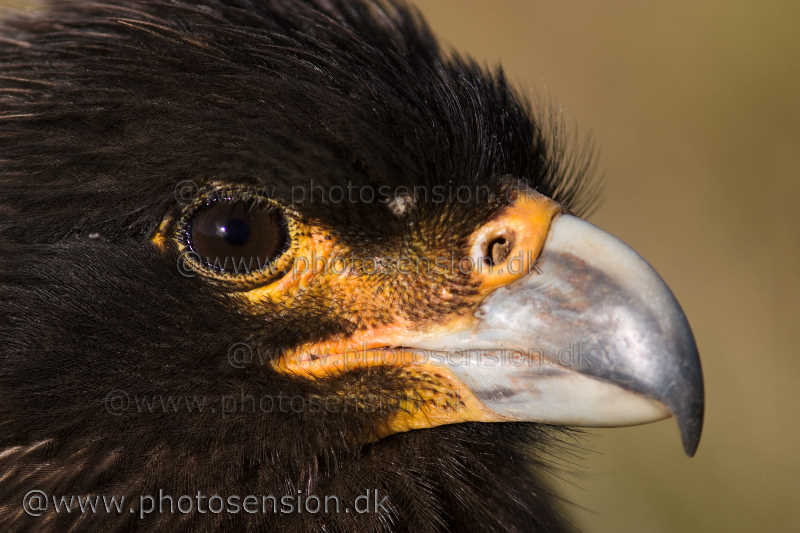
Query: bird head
pixel 284 247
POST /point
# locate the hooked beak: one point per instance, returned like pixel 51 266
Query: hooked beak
pixel 605 340
pixel 589 335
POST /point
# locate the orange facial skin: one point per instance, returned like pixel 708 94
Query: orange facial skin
pixel 409 288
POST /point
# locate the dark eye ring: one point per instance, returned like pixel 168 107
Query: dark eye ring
pixel 236 235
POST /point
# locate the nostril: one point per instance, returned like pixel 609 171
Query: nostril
pixel 497 250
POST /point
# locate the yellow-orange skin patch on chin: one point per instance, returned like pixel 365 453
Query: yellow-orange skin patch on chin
pixel 434 398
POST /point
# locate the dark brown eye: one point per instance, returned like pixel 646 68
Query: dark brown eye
pixel 237 236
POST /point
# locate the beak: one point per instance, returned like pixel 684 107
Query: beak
pixel 592 337
pixel 588 335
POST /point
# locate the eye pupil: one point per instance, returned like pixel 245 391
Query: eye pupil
pixel 236 236
pixel 235 231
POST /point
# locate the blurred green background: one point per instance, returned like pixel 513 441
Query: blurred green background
pixel 695 109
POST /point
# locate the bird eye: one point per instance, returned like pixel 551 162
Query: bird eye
pixel 237 236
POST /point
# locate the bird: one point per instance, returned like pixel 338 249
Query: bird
pixel 257 256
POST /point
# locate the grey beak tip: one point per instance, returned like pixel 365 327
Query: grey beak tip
pixel 688 402
pixel 691 428
pixel 691 437
pixel 690 421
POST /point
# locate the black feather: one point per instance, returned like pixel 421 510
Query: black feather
pixel 104 108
